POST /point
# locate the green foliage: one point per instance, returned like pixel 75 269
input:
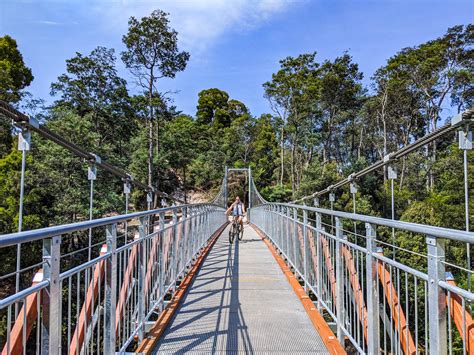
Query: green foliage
pixel 153 45
pixel 64 177
pixel 318 176
pixel 152 53
pixel 10 170
pixel 14 74
pixel 92 86
pixel 276 193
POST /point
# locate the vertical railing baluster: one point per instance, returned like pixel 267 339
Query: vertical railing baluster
pixel 110 290
pixel 184 237
pixel 436 295
pixel 161 258
pixel 175 250
pixel 142 227
pixel 339 282
pixel 305 249
pixel 373 325
pixel 51 326
pixel 295 236
pixel 319 271
pixel 287 224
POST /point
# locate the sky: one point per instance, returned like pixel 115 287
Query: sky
pixel 235 45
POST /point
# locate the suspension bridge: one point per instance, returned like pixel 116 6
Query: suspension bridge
pixel 304 279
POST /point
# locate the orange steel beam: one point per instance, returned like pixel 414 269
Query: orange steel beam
pixel 147 345
pixel 457 315
pixel 85 316
pixel 16 334
pixel 408 345
pixel 353 276
pixel 328 337
pixel 330 268
pixel 358 292
pixel 355 284
pixel 312 248
pixel 127 278
pixel 151 260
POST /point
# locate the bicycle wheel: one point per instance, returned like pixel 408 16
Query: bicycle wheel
pixel 241 232
pixel 231 233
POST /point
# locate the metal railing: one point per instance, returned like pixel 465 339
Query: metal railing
pixel 104 304
pixel 380 304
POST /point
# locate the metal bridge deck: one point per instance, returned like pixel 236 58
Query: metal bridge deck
pixel 240 301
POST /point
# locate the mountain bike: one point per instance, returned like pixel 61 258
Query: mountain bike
pixel 236 229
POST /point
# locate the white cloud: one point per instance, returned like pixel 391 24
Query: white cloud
pixel 56 23
pixel 199 22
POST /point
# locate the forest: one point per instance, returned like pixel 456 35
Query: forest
pixel 324 123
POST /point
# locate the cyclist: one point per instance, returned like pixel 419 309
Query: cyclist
pixel 238 210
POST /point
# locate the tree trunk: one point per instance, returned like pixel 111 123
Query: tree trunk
pixel 282 156
pixel 184 186
pixel 150 138
pixel 293 148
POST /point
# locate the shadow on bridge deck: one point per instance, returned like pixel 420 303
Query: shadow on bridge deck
pixel 240 301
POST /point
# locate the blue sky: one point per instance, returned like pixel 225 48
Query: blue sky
pixel 235 45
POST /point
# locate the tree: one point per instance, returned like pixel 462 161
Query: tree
pixel 152 54
pixel 92 86
pixel 341 95
pixel 265 149
pixel 290 93
pixel 14 74
pixel 216 109
pixel 436 70
pixel 14 77
pixel 212 107
pixel 179 143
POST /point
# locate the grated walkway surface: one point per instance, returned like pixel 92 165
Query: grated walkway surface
pixel 240 302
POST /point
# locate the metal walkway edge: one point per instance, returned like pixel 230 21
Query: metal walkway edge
pixel 240 301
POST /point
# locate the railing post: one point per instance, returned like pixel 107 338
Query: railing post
pixel 175 249
pixel 436 296
pixel 51 326
pixel 319 271
pixel 277 234
pixel 184 237
pixel 339 282
pixel 110 301
pixel 268 214
pixel 225 187
pixel 295 235
pixel 141 277
pixel 250 194
pixel 287 225
pixel 273 221
pixel 189 216
pixel 373 325
pixel 305 249
pixel 161 257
